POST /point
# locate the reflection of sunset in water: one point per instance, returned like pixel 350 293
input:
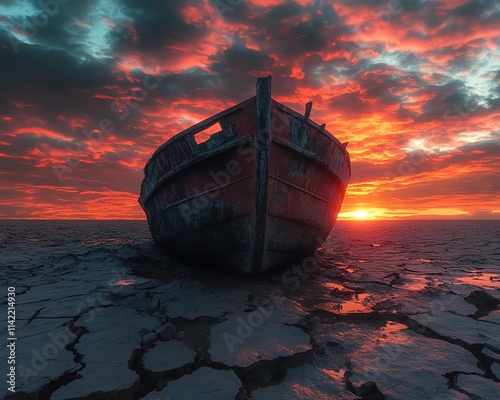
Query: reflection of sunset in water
pixel 124 282
pixel 333 286
pixel 356 304
pixel 483 279
pixel 394 332
pixel 415 283
pixel 345 268
pixel 344 300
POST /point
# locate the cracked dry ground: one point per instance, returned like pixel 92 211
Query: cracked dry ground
pixel 122 321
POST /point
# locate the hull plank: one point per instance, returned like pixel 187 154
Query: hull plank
pixel 264 190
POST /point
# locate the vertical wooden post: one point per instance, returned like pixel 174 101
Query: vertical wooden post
pixel 263 135
pixel 307 114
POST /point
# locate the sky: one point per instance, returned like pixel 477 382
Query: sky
pixel 89 89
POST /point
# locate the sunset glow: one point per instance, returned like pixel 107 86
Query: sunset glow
pixel 360 214
pixel 124 282
pixel 412 86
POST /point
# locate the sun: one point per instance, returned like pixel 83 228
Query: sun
pixel 360 214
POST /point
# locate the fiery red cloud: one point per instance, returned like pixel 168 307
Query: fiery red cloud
pixel 412 86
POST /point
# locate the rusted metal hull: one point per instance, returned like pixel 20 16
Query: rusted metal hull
pixel 265 190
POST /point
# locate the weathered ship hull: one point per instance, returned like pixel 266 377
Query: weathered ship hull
pixel 265 190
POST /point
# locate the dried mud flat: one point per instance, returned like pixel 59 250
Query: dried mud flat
pixel 113 319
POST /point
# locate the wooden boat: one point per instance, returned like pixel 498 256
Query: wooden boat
pixel 265 189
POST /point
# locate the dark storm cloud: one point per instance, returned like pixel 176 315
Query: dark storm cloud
pixel 52 25
pixel 238 59
pixel 158 24
pixel 465 57
pixel 485 147
pixel 418 5
pixel 374 4
pixel 494 103
pixel 54 84
pixel 380 81
pixel 19 168
pixel 404 113
pixel 54 69
pixel 350 105
pixel 290 29
pixel 447 101
pixel 475 8
pixel 395 6
pixel 241 12
pixel 305 35
pixel 60 31
pixel 53 81
pixel 461 19
pixel 238 64
pixel 21 143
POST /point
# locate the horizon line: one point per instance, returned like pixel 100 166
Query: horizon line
pixel 338 220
